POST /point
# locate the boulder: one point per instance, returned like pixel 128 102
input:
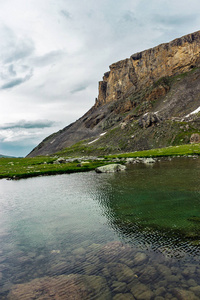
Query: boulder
pixel 195 138
pixel 148 120
pixel 131 160
pixel 148 160
pixel 60 160
pixel 112 168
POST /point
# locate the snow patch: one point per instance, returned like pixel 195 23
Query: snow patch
pixel 103 133
pixel 93 141
pixel 97 138
pixel 193 112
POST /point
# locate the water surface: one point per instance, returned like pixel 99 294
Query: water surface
pixel 130 235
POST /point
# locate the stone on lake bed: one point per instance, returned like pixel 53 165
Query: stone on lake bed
pixel 184 294
pixel 113 251
pixel 79 251
pixel 119 272
pixel 142 292
pixel 126 296
pixel 62 287
pixel 196 290
pixel 140 258
pixel 111 168
pixel 119 287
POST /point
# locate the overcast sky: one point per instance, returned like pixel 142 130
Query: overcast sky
pixel 54 52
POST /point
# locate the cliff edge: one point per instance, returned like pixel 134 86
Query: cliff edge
pixel 143 102
pixel 146 67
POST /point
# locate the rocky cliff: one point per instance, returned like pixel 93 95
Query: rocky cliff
pixel 144 101
pixel 144 68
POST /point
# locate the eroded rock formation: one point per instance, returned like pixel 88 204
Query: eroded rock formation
pixel 142 103
pixel 146 67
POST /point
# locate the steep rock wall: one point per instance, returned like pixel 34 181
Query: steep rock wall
pixel 146 67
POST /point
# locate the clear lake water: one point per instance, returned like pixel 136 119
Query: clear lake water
pixel 127 235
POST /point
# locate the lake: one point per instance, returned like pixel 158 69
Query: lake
pixel 129 235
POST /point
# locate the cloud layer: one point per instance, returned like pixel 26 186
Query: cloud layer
pixel 53 53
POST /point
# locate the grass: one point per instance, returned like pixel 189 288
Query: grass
pixel 181 150
pixel 16 168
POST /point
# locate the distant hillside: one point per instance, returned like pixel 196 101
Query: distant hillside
pixel 149 100
pixel 1 155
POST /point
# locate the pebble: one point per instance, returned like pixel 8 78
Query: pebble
pixel 184 294
pixel 79 251
pixel 140 258
pixel 127 296
pixel 119 287
pixel 196 290
pixel 160 291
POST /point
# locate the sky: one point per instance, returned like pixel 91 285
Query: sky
pixel 53 53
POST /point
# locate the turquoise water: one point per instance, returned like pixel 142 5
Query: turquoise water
pixel 130 235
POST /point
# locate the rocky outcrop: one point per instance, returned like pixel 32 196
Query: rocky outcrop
pixel 149 119
pixel 146 67
pixel 144 96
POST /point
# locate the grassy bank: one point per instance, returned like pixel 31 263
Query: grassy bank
pixel 16 168
pixel 182 150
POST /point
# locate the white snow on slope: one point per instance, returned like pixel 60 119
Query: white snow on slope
pixel 193 112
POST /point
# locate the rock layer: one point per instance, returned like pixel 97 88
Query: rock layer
pixel 146 67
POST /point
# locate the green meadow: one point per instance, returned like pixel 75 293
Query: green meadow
pixel 16 168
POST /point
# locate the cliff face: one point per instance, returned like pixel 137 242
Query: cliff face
pixel 144 68
pixel 139 100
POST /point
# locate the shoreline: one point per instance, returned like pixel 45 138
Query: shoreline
pixel 22 168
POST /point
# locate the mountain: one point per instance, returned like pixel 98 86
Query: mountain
pixel 5 156
pixel 149 100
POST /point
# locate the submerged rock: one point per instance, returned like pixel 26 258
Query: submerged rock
pixel 120 272
pixel 113 251
pixel 62 287
pixel 119 287
pixel 140 258
pixel 126 296
pixel 184 294
pixel 142 292
pixel 112 168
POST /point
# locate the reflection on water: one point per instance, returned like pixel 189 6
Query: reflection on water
pixel 157 207
pixel 131 235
